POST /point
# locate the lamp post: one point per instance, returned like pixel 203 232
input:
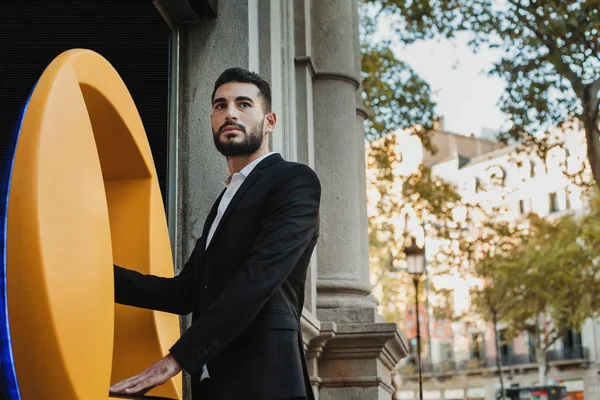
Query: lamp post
pixel 415 260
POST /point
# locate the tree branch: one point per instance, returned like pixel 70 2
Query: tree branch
pixel 595 92
pixel 506 307
pixel 378 281
pixel 591 106
pixel 562 67
pixel 556 335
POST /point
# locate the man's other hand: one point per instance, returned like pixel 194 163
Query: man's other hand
pixel 155 375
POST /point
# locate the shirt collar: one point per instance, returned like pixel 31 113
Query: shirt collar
pixel 249 168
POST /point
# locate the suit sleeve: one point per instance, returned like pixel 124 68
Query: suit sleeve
pixel 289 225
pixel 173 295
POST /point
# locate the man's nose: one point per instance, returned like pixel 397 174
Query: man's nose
pixel 231 113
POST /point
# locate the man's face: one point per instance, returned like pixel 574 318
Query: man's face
pixel 238 120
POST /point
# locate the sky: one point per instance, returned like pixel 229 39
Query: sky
pixel 467 97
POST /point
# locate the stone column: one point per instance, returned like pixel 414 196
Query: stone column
pixel 361 115
pixel 355 350
pixel 343 278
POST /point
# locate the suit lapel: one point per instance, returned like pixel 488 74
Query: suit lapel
pixel 210 219
pixel 247 184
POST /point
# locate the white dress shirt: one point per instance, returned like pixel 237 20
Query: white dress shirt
pixel 233 183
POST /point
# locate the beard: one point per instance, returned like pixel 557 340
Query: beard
pixel 250 144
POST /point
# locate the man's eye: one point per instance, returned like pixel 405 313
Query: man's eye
pixel 219 106
pixel 245 104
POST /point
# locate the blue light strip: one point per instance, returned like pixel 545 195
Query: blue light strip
pixel 9 385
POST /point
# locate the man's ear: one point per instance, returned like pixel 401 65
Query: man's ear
pixel 270 121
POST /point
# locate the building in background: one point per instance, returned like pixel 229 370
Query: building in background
pixel 459 359
pixel 169 54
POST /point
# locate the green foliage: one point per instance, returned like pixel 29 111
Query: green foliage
pixel 551 62
pixel 559 276
pixel 394 95
pixel 429 195
pixel 543 278
pixel 423 19
pixel 393 196
pixel 396 98
pixel 540 276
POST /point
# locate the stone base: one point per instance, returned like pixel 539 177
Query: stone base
pixel 355 393
pixel 351 315
pixel 355 361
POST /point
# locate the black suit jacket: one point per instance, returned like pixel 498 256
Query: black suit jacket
pixel 246 290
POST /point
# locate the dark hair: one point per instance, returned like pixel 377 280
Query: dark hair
pixel 242 75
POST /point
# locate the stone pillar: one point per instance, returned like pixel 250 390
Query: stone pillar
pixel 343 278
pixel 361 115
pixel 355 351
pixel 304 118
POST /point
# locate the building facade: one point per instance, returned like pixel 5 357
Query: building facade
pixel 309 51
pixel 459 360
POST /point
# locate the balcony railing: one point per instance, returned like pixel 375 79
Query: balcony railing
pixel 429 368
pixel 569 354
pixel 474 363
pixel 508 360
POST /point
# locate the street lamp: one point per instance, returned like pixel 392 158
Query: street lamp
pixel 415 260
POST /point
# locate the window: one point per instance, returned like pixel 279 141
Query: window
pixel 531 169
pixel 446 351
pixel 553 202
pixel 531 205
pixel 477 348
pixel 506 349
pixel 571 339
pixel 521 206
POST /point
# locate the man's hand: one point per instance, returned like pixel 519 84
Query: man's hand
pixel 153 376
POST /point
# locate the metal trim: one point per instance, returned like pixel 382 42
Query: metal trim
pixel 173 144
pixel 186 11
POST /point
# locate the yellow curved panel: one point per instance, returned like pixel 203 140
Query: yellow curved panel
pixel 84 195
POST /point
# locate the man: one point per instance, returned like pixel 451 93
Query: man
pixel 244 281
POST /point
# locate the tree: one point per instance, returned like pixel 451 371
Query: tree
pixel 551 270
pixel 551 61
pixel 395 97
pixel 552 69
pixel 492 300
pixel 399 201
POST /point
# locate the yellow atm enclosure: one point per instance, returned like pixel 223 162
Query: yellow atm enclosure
pixel 82 195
